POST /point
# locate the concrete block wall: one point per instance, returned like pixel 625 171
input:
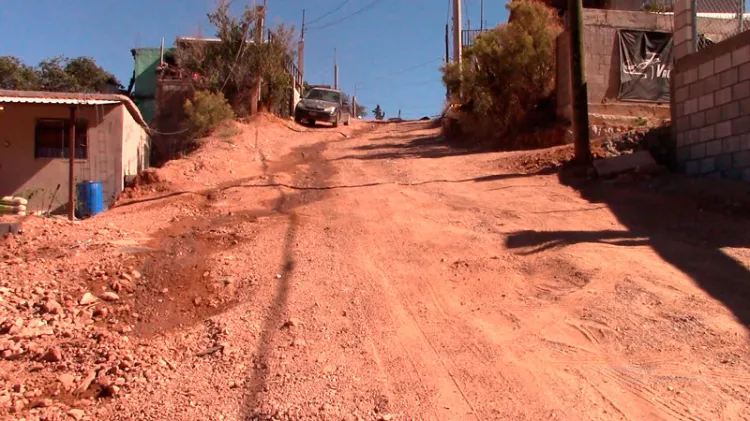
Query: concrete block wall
pixel 711 103
pixel 602 56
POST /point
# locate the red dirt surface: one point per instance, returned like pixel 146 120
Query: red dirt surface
pixel 373 273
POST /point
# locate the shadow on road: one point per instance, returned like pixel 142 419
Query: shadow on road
pixel 277 311
pixel 432 146
pixel 686 237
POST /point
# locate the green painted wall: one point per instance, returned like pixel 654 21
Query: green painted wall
pixel 144 91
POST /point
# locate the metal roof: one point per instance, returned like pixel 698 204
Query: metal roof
pixel 71 98
pixel 67 101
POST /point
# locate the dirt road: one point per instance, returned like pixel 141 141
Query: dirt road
pixel 386 276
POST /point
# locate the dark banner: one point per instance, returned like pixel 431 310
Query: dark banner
pixel 645 65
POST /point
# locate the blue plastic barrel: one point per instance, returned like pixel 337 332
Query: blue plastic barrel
pixel 90 199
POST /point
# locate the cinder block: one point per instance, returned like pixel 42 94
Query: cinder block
pixel 745 106
pixel 711 84
pixel 694 136
pixel 691 75
pixel 681 94
pixel 723 129
pixel 741 90
pixel 730 111
pixel 745 142
pixel 728 78
pixel 722 63
pixel 682 32
pixel 707 134
pixel 741 55
pixel 724 162
pixel 696 90
pixel 691 106
pixel 732 174
pixel 681 139
pixel 708 165
pixel 741 159
pixel 741 125
pixel 713 148
pixel 697 120
pixel 682 50
pixel 692 167
pixel 713 115
pixel 746 175
pixel 723 96
pixel 744 72
pixel 706 70
pixel 683 123
pixel 705 102
pixel 682 23
pixel 683 154
pixel 681 6
pixel 698 151
pixel 730 144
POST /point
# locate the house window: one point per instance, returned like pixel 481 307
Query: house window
pixel 51 139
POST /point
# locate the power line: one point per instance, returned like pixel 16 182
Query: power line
pixel 334 10
pixel 402 71
pixel 358 12
pixel 403 85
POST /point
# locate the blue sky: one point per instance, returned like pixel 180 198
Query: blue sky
pixel 392 51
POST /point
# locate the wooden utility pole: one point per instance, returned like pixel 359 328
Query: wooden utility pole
pixel 71 168
pixel 259 30
pixel 447 55
pixel 481 16
pixel 335 70
pixel 580 90
pixel 301 50
pixel 457 46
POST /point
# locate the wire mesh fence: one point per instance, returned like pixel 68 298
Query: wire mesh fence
pixel 717 20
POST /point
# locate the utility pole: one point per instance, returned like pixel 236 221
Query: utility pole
pixel 580 90
pixel 481 16
pixel 335 71
pixel 259 30
pixel 457 46
pixel 71 168
pixel 447 56
pixel 301 50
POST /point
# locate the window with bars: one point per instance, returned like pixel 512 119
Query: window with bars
pixel 51 139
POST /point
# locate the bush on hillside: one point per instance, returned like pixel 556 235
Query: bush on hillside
pixel 206 111
pixel 508 73
pixel 234 64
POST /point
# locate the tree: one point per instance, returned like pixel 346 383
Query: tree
pixel 378 112
pixel 509 71
pixel 16 75
pixel 361 111
pixel 88 75
pixel 233 65
pixel 80 74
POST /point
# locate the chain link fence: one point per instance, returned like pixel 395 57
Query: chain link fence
pixel 717 20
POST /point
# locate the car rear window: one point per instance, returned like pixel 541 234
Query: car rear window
pixel 321 94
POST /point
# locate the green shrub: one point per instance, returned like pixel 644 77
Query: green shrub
pixel 510 70
pixel 206 111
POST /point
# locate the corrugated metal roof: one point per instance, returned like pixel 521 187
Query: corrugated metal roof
pixel 72 98
pixel 67 101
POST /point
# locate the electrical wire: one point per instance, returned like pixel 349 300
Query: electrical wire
pixel 334 10
pixel 403 85
pixel 402 71
pixel 358 12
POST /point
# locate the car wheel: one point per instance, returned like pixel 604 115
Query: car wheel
pixel 336 121
pixel 297 120
pixel 348 120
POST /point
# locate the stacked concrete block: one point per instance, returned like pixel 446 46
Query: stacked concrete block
pixel 712 110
